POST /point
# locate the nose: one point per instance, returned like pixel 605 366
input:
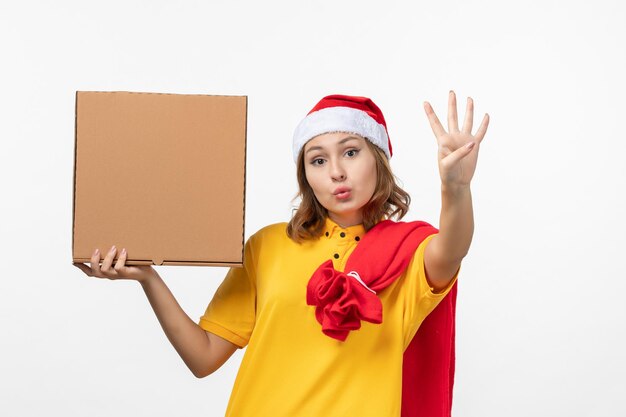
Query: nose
pixel 337 172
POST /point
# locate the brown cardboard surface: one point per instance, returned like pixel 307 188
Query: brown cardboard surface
pixel 162 175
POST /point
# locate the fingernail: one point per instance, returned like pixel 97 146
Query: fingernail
pixel 97 251
pixel 123 251
pixel 112 248
pixel 470 145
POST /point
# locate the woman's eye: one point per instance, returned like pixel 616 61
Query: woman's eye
pixel 318 161
pixel 352 152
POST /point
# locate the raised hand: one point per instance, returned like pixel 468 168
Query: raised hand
pixel 457 149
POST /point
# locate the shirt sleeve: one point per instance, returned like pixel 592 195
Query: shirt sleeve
pixel 419 297
pixel 231 314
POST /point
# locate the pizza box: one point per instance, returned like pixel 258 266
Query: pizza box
pixel 162 175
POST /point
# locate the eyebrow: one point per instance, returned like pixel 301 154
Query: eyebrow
pixel 341 142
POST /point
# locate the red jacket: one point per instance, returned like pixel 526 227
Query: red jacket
pixel 343 299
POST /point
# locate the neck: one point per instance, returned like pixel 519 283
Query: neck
pixel 346 220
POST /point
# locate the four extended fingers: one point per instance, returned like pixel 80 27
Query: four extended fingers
pixel 453 126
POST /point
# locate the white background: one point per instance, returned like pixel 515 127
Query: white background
pixel 541 316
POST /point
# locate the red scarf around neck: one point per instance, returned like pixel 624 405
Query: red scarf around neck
pixel 342 300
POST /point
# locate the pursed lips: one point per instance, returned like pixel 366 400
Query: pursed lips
pixel 341 190
pixel 342 193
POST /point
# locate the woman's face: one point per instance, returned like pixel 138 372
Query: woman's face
pixel 341 170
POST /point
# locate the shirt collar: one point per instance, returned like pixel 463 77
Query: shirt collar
pixel 332 229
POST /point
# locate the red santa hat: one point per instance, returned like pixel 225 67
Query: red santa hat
pixel 339 113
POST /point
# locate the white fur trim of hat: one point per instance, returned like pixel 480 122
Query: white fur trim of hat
pixel 337 118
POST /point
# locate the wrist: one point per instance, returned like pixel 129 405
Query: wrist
pixel 455 189
pixel 148 279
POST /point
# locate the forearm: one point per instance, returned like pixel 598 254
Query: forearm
pixel 456 223
pixel 189 340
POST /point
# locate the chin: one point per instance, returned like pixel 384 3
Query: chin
pixel 344 211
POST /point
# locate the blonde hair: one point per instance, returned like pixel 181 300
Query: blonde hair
pixel 388 201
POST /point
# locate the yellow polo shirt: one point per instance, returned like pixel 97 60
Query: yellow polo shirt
pixel 292 369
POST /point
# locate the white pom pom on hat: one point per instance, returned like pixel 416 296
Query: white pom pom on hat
pixel 340 113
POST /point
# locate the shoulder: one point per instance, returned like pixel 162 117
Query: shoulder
pixel 275 233
pixel 271 240
pixel 271 231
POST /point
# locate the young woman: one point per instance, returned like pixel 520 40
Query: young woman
pixel 329 305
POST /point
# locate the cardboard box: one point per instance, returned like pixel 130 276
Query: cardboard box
pixel 162 175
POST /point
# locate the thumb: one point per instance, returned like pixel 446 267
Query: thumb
pixel 83 268
pixel 459 154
